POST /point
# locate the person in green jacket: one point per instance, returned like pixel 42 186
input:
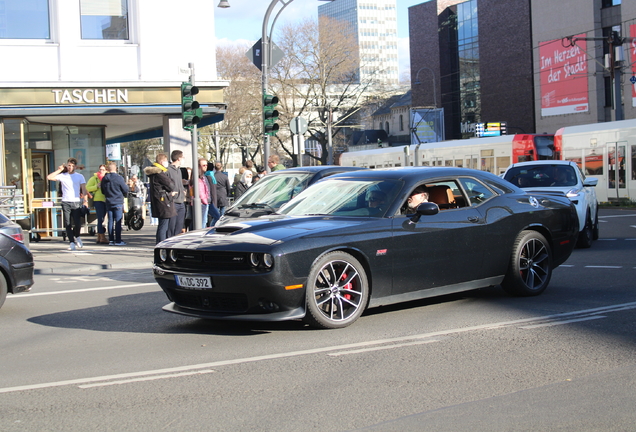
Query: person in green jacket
pixel 99 201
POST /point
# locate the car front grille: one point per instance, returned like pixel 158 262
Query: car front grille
pixel 189 260
pixel 212 302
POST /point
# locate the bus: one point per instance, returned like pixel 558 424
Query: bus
pixel 492 154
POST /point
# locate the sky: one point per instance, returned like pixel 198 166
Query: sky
pixel 242 22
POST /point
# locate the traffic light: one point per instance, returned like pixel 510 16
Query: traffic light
pixel 191 114
pixel 270 114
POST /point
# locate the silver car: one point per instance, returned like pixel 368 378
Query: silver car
pixel 563 177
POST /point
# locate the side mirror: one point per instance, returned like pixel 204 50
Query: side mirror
pixel 424 209
pixel 590 181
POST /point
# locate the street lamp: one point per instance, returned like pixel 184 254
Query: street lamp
pixel 224 4
pixel 417 82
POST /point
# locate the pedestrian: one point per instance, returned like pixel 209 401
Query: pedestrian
pixel 223 188
pixel 213 211
pixel 74 194
pixel 153 220
pixel 243 185
pixel 274 163
pixel 115 190
pixel 99 202
pixel 161 194
pixel 174 171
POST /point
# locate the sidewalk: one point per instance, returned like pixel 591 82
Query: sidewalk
pixel 53 256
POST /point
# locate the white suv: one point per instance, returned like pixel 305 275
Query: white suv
pixel 565 177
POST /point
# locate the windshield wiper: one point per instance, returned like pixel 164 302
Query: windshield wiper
pixel 264 206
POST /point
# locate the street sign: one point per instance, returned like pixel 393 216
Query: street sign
pixel 633 79
pixel 298 125
pixel 255 54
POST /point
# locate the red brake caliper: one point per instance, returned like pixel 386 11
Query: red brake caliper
pixel 347 287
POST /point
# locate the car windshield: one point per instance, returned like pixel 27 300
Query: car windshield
pixel 533 176
pixel 345 197
pixel 274 190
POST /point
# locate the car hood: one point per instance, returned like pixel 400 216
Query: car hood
pixel 262 231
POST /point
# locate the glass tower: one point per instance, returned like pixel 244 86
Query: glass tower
pixel 374 23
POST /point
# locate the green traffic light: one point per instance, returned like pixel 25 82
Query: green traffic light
pixel 270 114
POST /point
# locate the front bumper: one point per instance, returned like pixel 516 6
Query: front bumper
pixel 235 296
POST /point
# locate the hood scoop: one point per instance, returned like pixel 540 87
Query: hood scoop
pixel 226 229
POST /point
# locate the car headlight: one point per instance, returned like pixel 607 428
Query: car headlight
pixel 268 260
pixel 163 254
pixel 173 255
pixel 573 192
pixel 254 259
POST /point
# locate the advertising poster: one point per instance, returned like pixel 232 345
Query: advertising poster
pixel 427 125
pixel 564 77
pixel 632 59
pixel 113 152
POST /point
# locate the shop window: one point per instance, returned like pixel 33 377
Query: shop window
pixel 20 19
pixel 104 19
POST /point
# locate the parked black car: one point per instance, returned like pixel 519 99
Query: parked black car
pixel 16 261
pixel 344 244
pixel 272 191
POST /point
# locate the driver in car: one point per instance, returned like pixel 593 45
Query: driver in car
pixel 417 197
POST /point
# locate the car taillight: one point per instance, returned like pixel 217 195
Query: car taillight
pixel 13 232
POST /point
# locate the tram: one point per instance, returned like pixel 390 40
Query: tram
pixel 492 154
pixel 606 151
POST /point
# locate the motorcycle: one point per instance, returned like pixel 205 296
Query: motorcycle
pixel 134 217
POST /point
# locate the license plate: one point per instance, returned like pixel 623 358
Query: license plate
pixel 194 282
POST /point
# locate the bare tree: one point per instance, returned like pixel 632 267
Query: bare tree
pixel 242 124
pixel 319 78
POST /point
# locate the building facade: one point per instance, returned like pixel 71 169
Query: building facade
pixel 538 65
pixel 574 71
pixel 374 24
pixel 79 77
pixel 473 59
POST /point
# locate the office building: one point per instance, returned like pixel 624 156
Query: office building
pixel 374 25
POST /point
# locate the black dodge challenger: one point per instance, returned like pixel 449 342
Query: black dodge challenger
pixel 352 241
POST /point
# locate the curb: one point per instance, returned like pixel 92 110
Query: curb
pixel 92 267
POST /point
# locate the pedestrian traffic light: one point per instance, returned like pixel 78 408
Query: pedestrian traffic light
pixel 270 114
pixel 191 114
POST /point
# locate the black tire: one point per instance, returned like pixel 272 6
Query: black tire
pixel 4 289
pixel 530 267
pixel 337 291
pixel 137 222
pixel 587 234
pixel 595 227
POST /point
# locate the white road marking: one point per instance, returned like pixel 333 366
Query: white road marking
pixel 323 350
pixel 152 378
pixel 385 347
pixel 555 323
pixel 603 266
pixel 617 216
pixel 36 294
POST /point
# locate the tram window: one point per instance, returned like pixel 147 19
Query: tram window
pixel 502 163
pixel 448 163
pixel 593 163
pixel 634 162
pixel 459 163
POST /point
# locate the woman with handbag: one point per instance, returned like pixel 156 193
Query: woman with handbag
pixel 99 201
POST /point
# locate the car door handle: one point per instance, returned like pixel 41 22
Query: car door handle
pixel 473 219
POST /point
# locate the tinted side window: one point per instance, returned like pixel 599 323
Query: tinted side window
pixel 477 192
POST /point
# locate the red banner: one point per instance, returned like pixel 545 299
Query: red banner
pixel 564 82
pixel 632 50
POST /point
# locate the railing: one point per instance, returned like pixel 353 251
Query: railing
pixel 11 202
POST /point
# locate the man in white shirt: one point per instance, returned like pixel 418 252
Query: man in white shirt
pixel 74 196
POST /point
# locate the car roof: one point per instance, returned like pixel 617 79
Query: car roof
pixel 414 173
pixel 325 169
pixel 542 162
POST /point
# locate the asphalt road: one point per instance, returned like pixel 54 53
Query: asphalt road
pixel 95 352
